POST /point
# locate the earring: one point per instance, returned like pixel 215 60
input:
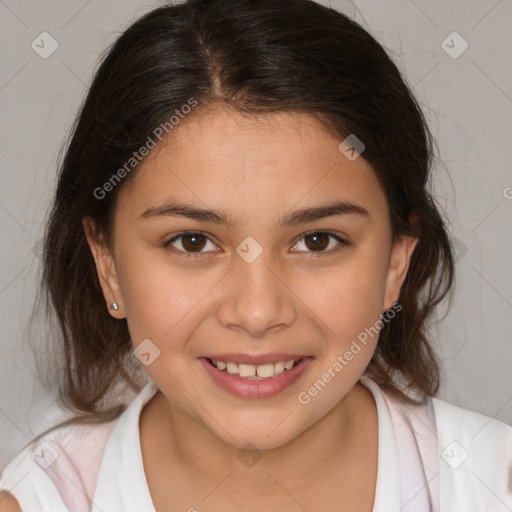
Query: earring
pixel 114 306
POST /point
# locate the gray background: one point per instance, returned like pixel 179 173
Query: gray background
pixel 467 100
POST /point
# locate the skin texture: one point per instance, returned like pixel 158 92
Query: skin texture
pixel 8 503
pixel 293 298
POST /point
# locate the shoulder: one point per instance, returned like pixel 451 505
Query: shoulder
pixel 23 482
pixel 54 468
pixel 472 428
pixel 472 469
pixel 475 458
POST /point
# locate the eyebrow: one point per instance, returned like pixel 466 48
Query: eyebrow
pixel 302 216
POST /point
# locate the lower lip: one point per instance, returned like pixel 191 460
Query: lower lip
pixel 248 388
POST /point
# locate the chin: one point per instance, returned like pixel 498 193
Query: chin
pixel 257 442
pixel 267 436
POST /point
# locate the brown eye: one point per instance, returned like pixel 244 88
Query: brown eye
pixel 319 241
pixel 192 243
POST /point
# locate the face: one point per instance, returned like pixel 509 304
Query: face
pixel 224 250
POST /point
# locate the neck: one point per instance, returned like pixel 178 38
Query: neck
pixel 327 449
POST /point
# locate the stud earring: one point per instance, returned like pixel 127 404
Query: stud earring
pixel 114 306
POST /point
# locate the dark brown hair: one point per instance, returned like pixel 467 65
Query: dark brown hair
pixel 255 56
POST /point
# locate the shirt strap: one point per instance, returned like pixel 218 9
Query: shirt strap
pixel 418 454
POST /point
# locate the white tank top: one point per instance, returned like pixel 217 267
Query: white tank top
pixel 100 468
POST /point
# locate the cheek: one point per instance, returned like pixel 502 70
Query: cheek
pixel 163 301
pixel 346 298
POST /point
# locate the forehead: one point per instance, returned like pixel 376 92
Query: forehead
pixel 222 158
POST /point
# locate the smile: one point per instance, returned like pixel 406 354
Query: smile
pixel 255 372
pixel 255 380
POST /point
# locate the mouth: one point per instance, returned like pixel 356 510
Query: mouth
pixel 250 380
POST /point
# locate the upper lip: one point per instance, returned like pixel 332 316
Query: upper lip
pixel 256 360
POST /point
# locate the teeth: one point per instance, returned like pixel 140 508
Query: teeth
pixel 279 367
pixel 246 370
pixel 255 372
pixel 265 370
pixel 232 367
pixel 289 364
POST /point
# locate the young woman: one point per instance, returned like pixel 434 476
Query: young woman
pixel 243 215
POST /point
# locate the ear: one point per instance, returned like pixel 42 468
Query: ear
pixel 105 267
pixel 400 259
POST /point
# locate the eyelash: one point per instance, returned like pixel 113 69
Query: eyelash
pixel 343 243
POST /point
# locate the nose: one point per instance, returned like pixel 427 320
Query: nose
pixel 256 298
